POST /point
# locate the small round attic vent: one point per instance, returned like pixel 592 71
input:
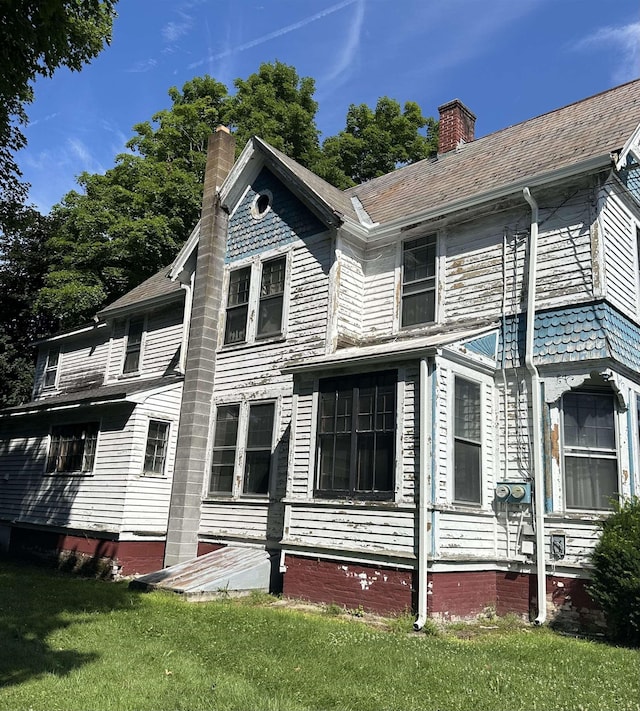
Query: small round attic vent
pixel 261 204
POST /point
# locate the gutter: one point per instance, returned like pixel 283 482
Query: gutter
pixel 536 430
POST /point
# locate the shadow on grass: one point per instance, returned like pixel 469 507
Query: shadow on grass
pixel 35 603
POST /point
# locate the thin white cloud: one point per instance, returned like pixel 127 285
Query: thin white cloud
pixel 173 31
pixel 274 35
pixel 81 155
pixel 625 40
pixel 144 65
pixel 44 119
pixel 346 56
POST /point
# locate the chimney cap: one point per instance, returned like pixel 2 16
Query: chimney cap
pixel 456 103
pixel 222 128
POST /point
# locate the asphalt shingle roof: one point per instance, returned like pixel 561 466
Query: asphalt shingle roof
pixel 155 287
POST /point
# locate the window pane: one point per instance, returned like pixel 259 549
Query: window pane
pixel 591 482
pixel 419 259
pixel 227 426
pixel 224 449
pixel 260 431
pixel 72 448
pixel 222 467
pixel 156 447
pixel 239 283
pixel 467 472
pixel 418 308
pixel 270 316
pixel 467 410
pixel 256 476
pixel 589 420
pixel 273 277
pixel 236 325
pixel 418 281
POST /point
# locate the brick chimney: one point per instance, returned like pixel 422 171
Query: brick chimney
pixel 197 395
pixel 457 125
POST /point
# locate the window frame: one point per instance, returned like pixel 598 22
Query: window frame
pixel 355 383
pixel 252 307
pixel 48 368
pixel 93 426
pixel 408 288
pixel 167 432
pixel 137 348
pixel 577 451
pixel 478 443
pixel 238 488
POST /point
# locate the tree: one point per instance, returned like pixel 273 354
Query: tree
pixel 376 142
pixel 23 264
pixel 37 37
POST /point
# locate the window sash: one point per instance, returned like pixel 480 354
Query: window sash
pixel 356 436
pixel 156 449
pixel 237 305
pixel 224 449
pixel 271 297
pixel 51 367
pixel 467 441
pixel 258 451
pixel 418 281
pixel 134 346
pixel 590 450
pixel 72 448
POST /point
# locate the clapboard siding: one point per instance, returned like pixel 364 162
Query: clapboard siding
pixel 621 260
pixel 361 528
pixel 350 292
pixel 234 519
pixel 379 292
pixel 147 498
pixel 466 534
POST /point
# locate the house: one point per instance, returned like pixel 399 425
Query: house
pixel 419 393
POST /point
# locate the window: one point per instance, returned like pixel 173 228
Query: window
pixel 271 297
pixel 72 448
pixel 51 367
pixel 237 305
pixel 356 436
pixel 467 438
pixel 134 346
pixel 590 461
pixel 419 281
pixel 156 452
pixel 258 453
pixel 258 431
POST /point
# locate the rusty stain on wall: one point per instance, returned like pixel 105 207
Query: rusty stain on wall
pixel 555 443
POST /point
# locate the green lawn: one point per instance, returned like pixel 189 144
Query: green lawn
pixel 68 643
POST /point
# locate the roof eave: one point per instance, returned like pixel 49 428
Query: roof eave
pixel 154 302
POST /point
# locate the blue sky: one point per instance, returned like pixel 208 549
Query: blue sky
pixel 507 60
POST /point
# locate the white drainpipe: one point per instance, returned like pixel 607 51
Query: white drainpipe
pixel 425 459
pixel 536 433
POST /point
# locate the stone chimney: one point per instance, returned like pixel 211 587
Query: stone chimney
pixel 457 125
pixel 195 410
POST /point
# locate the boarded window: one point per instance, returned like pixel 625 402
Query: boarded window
pixel 467 448
pixel 356 436
pixel 156 451
pixel 590 455
pixel 134 345
pixel 237 305
pixel 72 448
pixel 271 297
pixel 419 281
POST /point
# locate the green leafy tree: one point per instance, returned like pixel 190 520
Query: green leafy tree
pixel 37 37
pixel 616 572
pixel 376 142
pixel 23 265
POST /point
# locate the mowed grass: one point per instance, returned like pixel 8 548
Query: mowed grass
pixel 70 643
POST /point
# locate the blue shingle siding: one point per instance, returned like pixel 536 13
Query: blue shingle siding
pixel 287 220
pixel 572 334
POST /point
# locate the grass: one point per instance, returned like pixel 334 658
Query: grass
pixel 70 643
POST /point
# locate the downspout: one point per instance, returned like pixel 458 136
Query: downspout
pixel 423 528
pixel 188 301
pixel 536 433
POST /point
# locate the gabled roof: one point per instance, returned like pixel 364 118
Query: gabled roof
pixel 154 291
pixel 572 138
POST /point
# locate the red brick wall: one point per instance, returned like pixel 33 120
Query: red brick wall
pixel 461 594
pixel 382 590
pixel 515 592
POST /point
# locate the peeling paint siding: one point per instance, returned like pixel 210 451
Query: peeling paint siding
pixel 466 534
pixel 379 292
pixel 517 418
pixel 116 350
pixel 147 497
pixel 162 340
pixel 621 265
pixel 363 528
pixel 302 471
pixel 350 296
pixel 411 435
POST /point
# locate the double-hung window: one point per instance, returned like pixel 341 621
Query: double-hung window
pixel 251 425
pixel 271 297
pixel 72 448
pixel 356 436
pixel 590 454
pixel 467 441
pixel 51 367
pixel 419 281
pixel 237 305
pixel 133 348
pixel 155 455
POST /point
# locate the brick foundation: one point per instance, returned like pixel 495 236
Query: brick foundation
pixel 454 595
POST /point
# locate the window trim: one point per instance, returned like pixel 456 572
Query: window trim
pixel 480 443
pixel 241 447
pixel 569 450
pixel 48 368
pixel 165 456
pixel 394 379
pixel 50 443
pixel 140 347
